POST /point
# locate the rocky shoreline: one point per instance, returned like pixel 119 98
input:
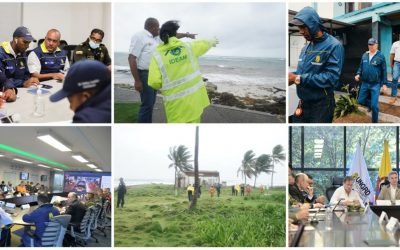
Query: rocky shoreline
pixel 273 104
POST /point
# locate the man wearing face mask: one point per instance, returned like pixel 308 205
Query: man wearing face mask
pixel 93 49
pixel 318 71
pixel 48 61
pixel 13 63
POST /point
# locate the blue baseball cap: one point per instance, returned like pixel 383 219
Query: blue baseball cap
pixel 25 33
pixel 372 41
pixel 83 75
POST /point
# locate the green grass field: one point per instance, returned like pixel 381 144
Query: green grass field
pixel 126 112
pixel 154 217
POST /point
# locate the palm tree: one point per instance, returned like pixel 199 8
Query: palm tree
pixel 246 169
pixel 263 164
pixel 196 171
pixel 180 161
pixel 278 155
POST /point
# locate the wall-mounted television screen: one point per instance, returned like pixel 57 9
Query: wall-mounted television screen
pixel 43 178
pixel 24 176
pixel 84 182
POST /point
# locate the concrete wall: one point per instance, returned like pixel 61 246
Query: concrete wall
pixel 74 20
pixel 10 172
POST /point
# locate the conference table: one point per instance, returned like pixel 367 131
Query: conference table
pixel 55 112
pixel 349 229
pixel 19 213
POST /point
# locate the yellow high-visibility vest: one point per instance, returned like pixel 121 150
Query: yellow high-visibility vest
pixel 174 70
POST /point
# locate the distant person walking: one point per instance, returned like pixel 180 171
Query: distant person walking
pixel 121 191
pixel 174 71
pixel 218 187
pixel 233 190
pixel 212 190
pixel 190 191
pixel 395 65
pixel 372 73
pixel 237 189
pixel 241 189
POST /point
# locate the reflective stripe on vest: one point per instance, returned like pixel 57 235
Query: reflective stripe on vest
pixel 166 83
pixel 183 93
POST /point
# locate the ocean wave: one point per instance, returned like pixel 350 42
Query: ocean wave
pixel 245 80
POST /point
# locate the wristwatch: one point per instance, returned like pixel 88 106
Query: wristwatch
pixel 297 80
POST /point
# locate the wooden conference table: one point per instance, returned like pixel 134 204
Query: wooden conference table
pixel 349 229
pixel 55 112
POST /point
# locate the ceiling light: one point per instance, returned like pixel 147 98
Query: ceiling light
pixel 57 169
pixel 43 166
pixel 20 160
pixel 318 146
pixel 25 154
pixel 1 155
pixel 98 170
pixel 318 150
pixel 91 165
pixel 54 143
pixel 80 158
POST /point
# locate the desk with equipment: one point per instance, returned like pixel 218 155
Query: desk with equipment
pixel 23 108
pixel 347 229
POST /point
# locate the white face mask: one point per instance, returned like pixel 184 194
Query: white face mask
pixel 93 45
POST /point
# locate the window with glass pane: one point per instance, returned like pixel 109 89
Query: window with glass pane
pixel 372 140
pixel 296 147
pixel 323 147
pixel 323 180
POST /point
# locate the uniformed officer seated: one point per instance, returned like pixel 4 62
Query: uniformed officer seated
pixel 48 61
pixel 88 89
pixel 93 49
pixel 13 64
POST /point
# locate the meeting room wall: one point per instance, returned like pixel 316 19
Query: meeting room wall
pixel 10 172
pixel 74 20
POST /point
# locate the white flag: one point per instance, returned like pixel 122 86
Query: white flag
pixel 361 181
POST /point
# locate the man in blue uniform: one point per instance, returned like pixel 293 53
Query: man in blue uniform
pixel 318 70
pixel 48 61
pixel 372 72
pixel 40 217
pixel 88 89
pixel 13 60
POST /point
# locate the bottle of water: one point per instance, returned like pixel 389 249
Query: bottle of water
pixel 39 103
pixel 328 219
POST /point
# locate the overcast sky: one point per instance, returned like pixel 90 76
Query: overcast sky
pixel 243 29
pixel 140 151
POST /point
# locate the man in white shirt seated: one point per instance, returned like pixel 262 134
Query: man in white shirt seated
pixel 391 192
pixel 5 225
pixel 345 194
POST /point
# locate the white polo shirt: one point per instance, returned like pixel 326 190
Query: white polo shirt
pixel 142 46
pixel 340 193
pixel 396 51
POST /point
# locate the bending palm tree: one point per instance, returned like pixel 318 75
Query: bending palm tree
pixel 180 161
pixel 246 169
pixel 278 155
pixel 262 165
pixel 196 171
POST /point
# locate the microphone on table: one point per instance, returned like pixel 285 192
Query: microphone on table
pixel 314 219
pixel 337 204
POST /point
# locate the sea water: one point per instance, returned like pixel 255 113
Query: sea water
pixel 238 75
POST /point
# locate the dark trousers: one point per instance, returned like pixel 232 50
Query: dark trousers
pixel 190 196
pixel 120 200
pixel 320 111
pixel 147 97
pixel 5 239
pixel 369 96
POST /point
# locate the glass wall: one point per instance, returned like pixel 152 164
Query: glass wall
pixel 325 152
